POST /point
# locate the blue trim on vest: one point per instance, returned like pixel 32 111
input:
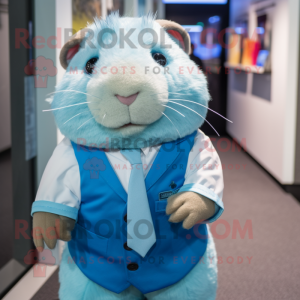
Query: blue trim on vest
pixel 54 208
pixel 98 238
pixel 206 192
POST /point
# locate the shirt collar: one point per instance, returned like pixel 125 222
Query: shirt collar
pixel 145 150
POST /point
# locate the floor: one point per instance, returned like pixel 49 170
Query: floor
pixel 261 263
pixel 274 269
pixel 6 209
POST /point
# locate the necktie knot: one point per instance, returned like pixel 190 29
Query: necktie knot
pixel 132 155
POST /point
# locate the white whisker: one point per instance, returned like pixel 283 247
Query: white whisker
pixel 194 103
pixel 203 106
pixel 103 118
pixel 66 106
pixel 73 91
pixel 170 93
pixel 173 109
pixel 166 93
pixel 198 115
pixel 171 122
pixel 85 122
pixel 73 117
pixel 84 112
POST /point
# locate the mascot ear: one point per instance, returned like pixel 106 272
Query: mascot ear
pixel 71 48
pixel 177 32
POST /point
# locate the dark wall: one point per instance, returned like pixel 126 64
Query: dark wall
pixel 191 14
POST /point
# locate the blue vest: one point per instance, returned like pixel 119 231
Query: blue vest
pixel 98 244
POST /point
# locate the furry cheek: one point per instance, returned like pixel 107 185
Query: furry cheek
pixel 104 91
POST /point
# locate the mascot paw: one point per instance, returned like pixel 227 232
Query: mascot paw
pixel 49 227
pixel 190 208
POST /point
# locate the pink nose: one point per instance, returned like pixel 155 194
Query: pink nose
pixel 127 100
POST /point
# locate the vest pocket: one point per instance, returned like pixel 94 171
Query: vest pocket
pixel 92 242
pixel 160 206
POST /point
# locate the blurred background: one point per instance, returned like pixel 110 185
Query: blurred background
pixel 249 51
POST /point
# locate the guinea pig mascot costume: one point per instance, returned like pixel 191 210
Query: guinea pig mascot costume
pixel 134 183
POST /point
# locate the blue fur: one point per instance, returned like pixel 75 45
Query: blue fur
pixel 193 87
pixel 199 284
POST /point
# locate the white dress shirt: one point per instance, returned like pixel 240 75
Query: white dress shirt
pixel 60 183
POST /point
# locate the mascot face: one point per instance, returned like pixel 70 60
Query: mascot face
pixel 129 83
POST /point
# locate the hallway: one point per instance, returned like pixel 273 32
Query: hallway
pixel 251 196
pixel 274 271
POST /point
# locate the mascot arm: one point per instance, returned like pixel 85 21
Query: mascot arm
pixel 190 208
pixel 58 198
pixel 48 227
pixel 200 198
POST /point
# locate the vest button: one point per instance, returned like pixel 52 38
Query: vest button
pixel 125 218
pixel 126 247
pixel 132 267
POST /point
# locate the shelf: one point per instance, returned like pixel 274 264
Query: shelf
pixel 249 69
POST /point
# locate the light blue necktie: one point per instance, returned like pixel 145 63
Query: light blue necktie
pixel 140 229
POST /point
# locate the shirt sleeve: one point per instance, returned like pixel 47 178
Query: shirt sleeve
pixel 59 190
pixel 204 173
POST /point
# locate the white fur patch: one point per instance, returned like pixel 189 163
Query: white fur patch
pixel 126 78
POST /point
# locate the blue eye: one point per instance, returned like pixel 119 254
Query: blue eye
pixel 160 59
pixel 90 65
